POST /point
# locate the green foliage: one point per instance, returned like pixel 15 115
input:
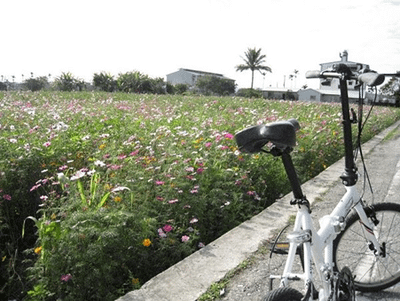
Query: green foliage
pixel 177 89
pixel 181 88
pixel 392 89
pixel 67 82
pixel 109 190
pixel 250 93
pixel 36 84
pixel 105 82
pixel 254 61
pixel 3 86
pixel 136 82
pixel 211 85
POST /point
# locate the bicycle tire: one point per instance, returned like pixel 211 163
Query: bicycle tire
pixel 351 249
pixel 284 294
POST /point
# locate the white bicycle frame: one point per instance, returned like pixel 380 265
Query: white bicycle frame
pixel 318 245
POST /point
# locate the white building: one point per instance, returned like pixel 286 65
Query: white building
pixel 189 77
pixel 329 90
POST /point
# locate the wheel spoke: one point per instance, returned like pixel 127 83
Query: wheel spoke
pixel 351 249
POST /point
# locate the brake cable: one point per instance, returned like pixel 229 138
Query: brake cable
pixel 361 125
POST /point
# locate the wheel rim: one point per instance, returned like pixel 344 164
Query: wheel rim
pixel 353 251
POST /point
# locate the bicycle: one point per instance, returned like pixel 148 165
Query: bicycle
pixel 374 264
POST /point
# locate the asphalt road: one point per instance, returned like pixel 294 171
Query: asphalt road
pixel 383 164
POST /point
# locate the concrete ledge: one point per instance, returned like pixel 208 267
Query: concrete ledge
pixel 190 278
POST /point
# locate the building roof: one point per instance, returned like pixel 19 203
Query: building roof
pixel 198 72
pixel 277 89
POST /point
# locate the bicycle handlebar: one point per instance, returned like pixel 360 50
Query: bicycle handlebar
pixel 369 78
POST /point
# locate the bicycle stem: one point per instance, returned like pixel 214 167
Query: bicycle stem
pixel 349 177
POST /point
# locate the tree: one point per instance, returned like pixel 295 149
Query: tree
pixel 215 85
pixel 67 82
pixel 136 82
pixel 3 86
pixel 105 82
pixel 36 84
pixel 254 61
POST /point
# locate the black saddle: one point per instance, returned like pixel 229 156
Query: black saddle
pixel 281 133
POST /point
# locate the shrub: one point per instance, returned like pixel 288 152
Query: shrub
pixel 215 85
pixel 131 82
pixel 249 93
pixel 181 88
pixel 67 82
pixel 36 84
pixel 3 86
pixel 105 82
pixel 136 82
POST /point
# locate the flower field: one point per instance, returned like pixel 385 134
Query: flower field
pixel 99 192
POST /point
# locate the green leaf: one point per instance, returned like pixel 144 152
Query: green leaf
pixel 93 186
pixel 103 200
pixel 81 192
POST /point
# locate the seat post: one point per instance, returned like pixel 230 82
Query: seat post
pixel 292 175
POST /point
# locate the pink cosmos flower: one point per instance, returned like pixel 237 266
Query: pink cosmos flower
pixel 134 153
pixel 160 183
pixel 208 144
pixel 35 187
pixel 66 278
pixel 200 170
pixel 167 228
pixel 47 144
pixel 228 136
pixel 185 238
pixel 114 167
pixel 7 197
pixel 173 201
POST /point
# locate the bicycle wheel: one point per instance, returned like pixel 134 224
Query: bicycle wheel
pixel 351 248
pixel 284 294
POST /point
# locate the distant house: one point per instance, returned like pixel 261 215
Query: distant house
pixel 189 76
pixel 329 90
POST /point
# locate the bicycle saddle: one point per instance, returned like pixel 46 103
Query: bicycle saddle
pixel 281 133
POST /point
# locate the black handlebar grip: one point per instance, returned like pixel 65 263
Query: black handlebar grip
pixel 313 74
pixel 371 78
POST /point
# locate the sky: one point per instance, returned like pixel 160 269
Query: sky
pixel 157 37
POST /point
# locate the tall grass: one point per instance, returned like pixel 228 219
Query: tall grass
pixel 110 189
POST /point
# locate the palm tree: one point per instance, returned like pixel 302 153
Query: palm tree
pixel 254 61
